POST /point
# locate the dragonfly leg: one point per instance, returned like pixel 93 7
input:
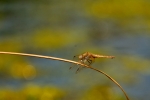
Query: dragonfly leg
pixel 79 68
pixel 70 67
pixel 73 59
pixel 90 61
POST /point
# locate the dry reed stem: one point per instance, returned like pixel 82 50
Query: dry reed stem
pixel 65 60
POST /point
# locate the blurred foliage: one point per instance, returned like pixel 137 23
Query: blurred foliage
pixel 32 92
pixel 54 39
pixel 101 92
pixel 119 9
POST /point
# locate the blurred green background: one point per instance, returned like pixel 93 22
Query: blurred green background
pixel 64 28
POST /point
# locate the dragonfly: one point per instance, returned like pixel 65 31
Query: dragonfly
pixel 88 58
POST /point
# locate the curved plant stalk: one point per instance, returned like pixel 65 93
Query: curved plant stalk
pixel 65 60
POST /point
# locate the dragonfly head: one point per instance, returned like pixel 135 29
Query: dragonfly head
pixel 80 57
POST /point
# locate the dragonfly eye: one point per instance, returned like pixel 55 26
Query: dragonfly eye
pixel 80 57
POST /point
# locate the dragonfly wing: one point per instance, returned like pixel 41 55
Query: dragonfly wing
pixel 75 58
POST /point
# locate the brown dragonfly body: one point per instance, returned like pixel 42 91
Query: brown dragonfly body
pixel 88 58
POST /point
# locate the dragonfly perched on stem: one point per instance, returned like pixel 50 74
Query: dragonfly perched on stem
pixel 88 58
